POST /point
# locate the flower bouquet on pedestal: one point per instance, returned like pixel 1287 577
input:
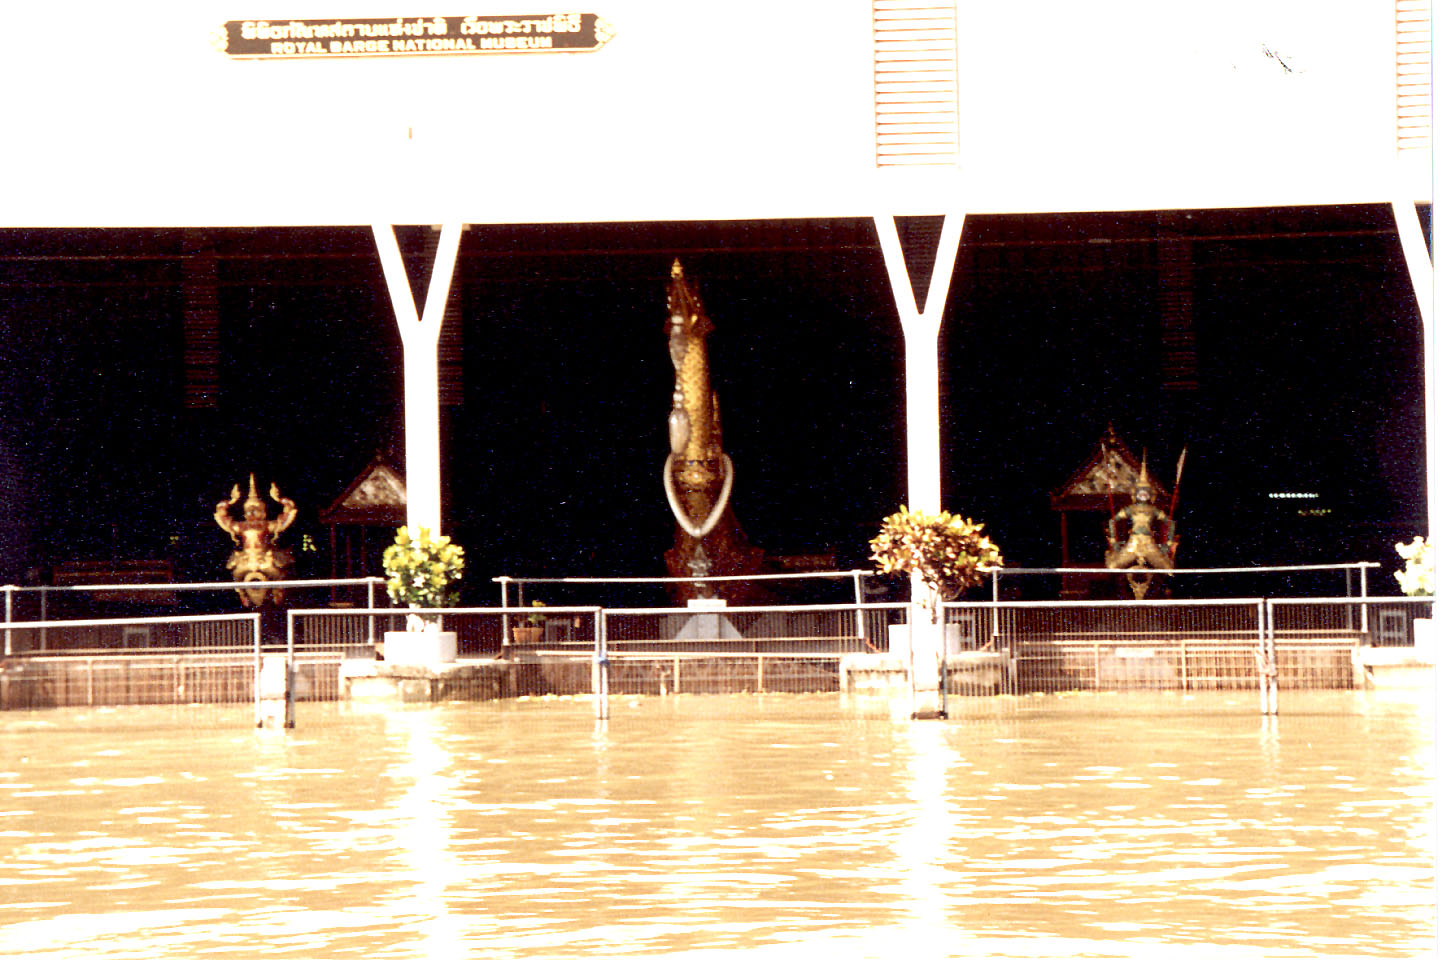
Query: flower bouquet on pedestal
pixel 1418 577
pixel 946 554
pixel 946 551
pixel 424 572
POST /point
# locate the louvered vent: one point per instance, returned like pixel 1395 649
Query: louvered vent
pixel 915 85
pixel 1412 74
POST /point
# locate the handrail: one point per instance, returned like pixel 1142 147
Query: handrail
pixel 1289 568
pixel 815 575
pixel 198 585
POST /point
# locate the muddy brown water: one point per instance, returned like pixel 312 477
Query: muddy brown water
pixel 1131 825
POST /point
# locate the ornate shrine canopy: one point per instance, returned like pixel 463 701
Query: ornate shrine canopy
pixel 375 498
pixel 1105 482
pixel 1106 479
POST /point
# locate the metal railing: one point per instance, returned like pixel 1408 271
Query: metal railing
pixel 658 585
pixel 473 627
pixel 666 649
pixel 1102 583
pixel 1041 646
pixel 1056 646
pixel 49 608
pixel 219 663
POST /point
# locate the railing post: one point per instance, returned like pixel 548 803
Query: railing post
pixel 44 603
pixel 9 603
pixel 944 657
pixel 1364 606
pixel 255 633
pixel 1260 657
pixel 995 603
pixel 289 669
pixel 1274 659
pixel 1349 607
pixel 859 608
pixel 1267 662
pixel 370 605
pixel 600 673
pixel 505 617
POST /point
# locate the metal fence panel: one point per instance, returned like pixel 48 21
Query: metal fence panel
pixel 192 660
pixel 1030 646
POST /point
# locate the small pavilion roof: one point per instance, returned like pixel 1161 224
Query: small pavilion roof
pixel 1108 475
pixel 375 498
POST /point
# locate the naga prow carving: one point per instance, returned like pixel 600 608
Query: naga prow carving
pixel 699 476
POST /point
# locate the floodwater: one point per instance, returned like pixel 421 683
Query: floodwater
pixel 704 826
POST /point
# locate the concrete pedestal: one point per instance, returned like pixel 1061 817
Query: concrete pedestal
pixel 706 626
pixel 1392 668
pixel 423 648
pixel 380 681
pixel 275 702
pixel 972 673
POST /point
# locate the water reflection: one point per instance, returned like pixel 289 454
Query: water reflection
pixel 697 826
pixel 924 840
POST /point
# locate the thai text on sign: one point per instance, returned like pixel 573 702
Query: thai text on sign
pixel 409 36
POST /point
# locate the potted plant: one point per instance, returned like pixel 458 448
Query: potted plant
pixel 532 629
pixel 424 573
pixel 1418 580
pixel 946 551
pixel 1418 577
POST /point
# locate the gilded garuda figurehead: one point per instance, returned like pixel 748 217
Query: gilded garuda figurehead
pixel 256 556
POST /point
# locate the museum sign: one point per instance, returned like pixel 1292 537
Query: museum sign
pixel 413 36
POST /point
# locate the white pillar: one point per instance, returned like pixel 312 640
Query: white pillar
pixel 922 355
pixel 420 340
pixel 926 662
pixel 1422 278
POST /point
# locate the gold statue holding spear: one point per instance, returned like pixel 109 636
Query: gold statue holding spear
pixel 1144 549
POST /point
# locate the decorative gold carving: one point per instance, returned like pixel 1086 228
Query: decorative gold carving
pixel 382 488
pixel 1142 550
pixel 257 558
pixel 698 476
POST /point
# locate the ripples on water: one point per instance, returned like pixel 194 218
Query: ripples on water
pixel 1099 826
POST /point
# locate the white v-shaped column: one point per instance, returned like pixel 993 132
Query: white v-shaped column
pixel 926 647
pixel 420 340
pixel 922 354
pixel 1422 278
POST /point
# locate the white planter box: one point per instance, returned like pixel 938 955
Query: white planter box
pixel 425 648
pixel 899 637
pixel 1425 640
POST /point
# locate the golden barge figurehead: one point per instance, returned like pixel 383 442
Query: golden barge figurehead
pixel 698 475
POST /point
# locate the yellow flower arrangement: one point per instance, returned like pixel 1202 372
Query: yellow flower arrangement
pixel 1418 577
pixel 947 551
pixel 423 571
